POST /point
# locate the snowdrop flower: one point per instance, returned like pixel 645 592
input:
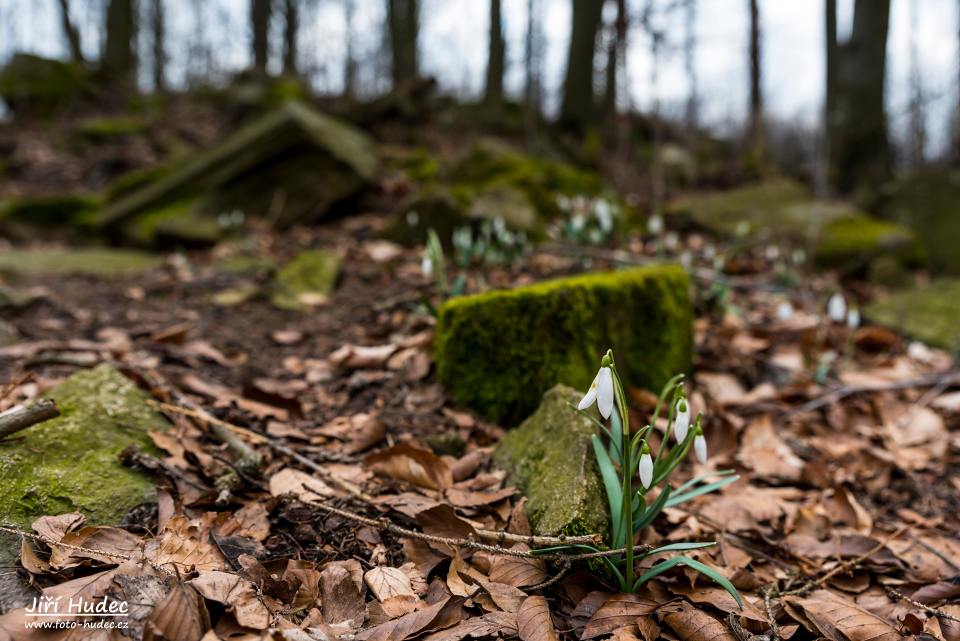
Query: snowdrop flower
pixel 601 391
pixel 853 318
pixel 603 214
pixel 577 223
pixel 784 311
pixel 646 466
pixel 837 308
pixel 671 241
pixel 655 224
pixel 700 447
pixel 686 259
pixel 426 266
pixel 681 422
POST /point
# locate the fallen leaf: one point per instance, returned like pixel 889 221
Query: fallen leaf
pixel 442 614
pixel 237 593
pixel 518 571
pixel 360 357
pixel 386 583
pixel 534 622
pixel 412 464
pixel 838 618
pixel 181 616
pixel 692 624
pixel 290 481
pixel 617 611
pixel 341 600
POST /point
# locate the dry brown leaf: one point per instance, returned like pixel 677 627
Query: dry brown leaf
pixel 104 544
pixel 252 520
pixel 53 528
pixel 838 618
pixel 616 612
pixel 184 545
pixel 341 599
pixel 763 451
pixel 534 622
pixel 721 387
pixel 506 597
pixel 412 464
pixel 492 624
pixel 360 357
pixel 290 481
pixel 518 571
pixel 237 593
pixel 466 498
pixel 387 583
pixel 181 616
pixel 442 614
pixel 691 624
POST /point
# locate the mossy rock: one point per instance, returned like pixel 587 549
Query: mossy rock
pixel 40 86
pixel 550 457
pixel 100 261
pixel 927 313
pixel 417 163
pixel 70 463
pixel 103 129
pixel 308 278
pixel 498 352
pixel 180 223
pixel 64 210
pixel 928 202
pixel 781 210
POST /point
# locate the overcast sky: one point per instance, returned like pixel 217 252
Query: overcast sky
pixel 453 48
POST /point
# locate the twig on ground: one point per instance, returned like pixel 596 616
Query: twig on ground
pixel 733 622
pixel 20 418
pixel 386 525
pixel 897 594
pixel 944 378
pixel 75 548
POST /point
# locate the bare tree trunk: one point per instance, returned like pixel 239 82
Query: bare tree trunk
pixel 70 32
pixel 350 63
pixel 577 111
pixel 532 70
pixel 860 145
pixel 689 64
pixel 291 18
pixel 159 35
pixel 260 23
pixel 403 18
pixel 493 94
pixel 119 56
pixel 918 129
pixel 616 59
pixel 756 89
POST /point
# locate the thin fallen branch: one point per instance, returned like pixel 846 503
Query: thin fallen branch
pixel 897 594
pixel 343 484
pixel 20 418
pixel 944 378
pixel 384 524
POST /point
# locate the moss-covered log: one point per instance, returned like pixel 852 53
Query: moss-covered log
pixel 498 352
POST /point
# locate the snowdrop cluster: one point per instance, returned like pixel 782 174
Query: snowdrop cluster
pixel 589 220
pixel 628 455
pixel 839 312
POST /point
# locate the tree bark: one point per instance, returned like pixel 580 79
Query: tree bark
pixel 577 112
pixel 860 147
pixel 403 18
pixel 756 89
pixel 119 57
pixel 291 18
pixel 70 32
pixel 260 23
pixel 689 53
pixel 159 32
pixel 493 95
pixel 350 61
pixel 616 59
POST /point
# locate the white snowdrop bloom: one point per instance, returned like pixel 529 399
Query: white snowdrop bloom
pixel 709 252
pixel 686 259
pixel 853 318
pixel 577 223
pixel 772 252
pixel 413 218
pixel 601 391
pixel 646 467
pixel 563 203
pixel 743 228
pixel 681 422
pixel 671 241
pixel 655 224
pixel 426 266
pixel 700 448
pixel 837 308
pixel 784 311
pixel 603 214
pixel 798 257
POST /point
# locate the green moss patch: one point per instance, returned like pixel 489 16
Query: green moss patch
pixel 66 209
pixel 70 463
pixel 35 85
pixel 102 129
pixel 498 352
pixel 306 279
pixel 101 262
pixel 551 458
pixel 928 313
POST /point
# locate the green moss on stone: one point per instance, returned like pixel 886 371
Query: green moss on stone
pixel 98 261
pixel 133 180
pixel 310 275
pixel 550 457
pixel 36 85
pixel 101 129
pixel 928 313
pixel 498 352
pixel 858 237
pixel 62 210
pixel 70 463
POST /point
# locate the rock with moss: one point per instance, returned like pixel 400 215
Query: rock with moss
pixel 62 210
pixel 927 313
pixel 782 210
pixel 97 130
pixel 93 261
pixel 550 457
pixel 71 463
pixel 306 280
pixel 35 85
pixel 498 352
pixel 293 165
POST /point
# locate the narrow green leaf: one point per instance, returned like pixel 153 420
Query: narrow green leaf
pixel 705 570
pixel 677 499
pixel 611 484
pixel 680 547
pixel 653 510
pixel 702 478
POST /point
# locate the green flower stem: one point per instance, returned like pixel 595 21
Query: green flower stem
pixel 626 513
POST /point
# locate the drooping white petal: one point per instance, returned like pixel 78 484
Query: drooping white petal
pixel 700 448
pixel 426 266
pixel 837 308
pixel 605 392
pixel 784 311
pixel 646 470
pixel 591 394
pixel 853 318
pixel 681 423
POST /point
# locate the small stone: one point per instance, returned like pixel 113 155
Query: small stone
pixel 307 280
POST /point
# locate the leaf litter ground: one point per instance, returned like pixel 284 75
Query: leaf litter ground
pixel 843 526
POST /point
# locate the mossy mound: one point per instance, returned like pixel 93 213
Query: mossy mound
pixel 928 202
pixel 498 352
pixel 307 279
pixel 63 210
pixel 550 457
pixel 928 313
pixel 70 463
pixel 291 166
pixel 99 261
pixel 35 85
pixel 782 210
pixel 102 129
